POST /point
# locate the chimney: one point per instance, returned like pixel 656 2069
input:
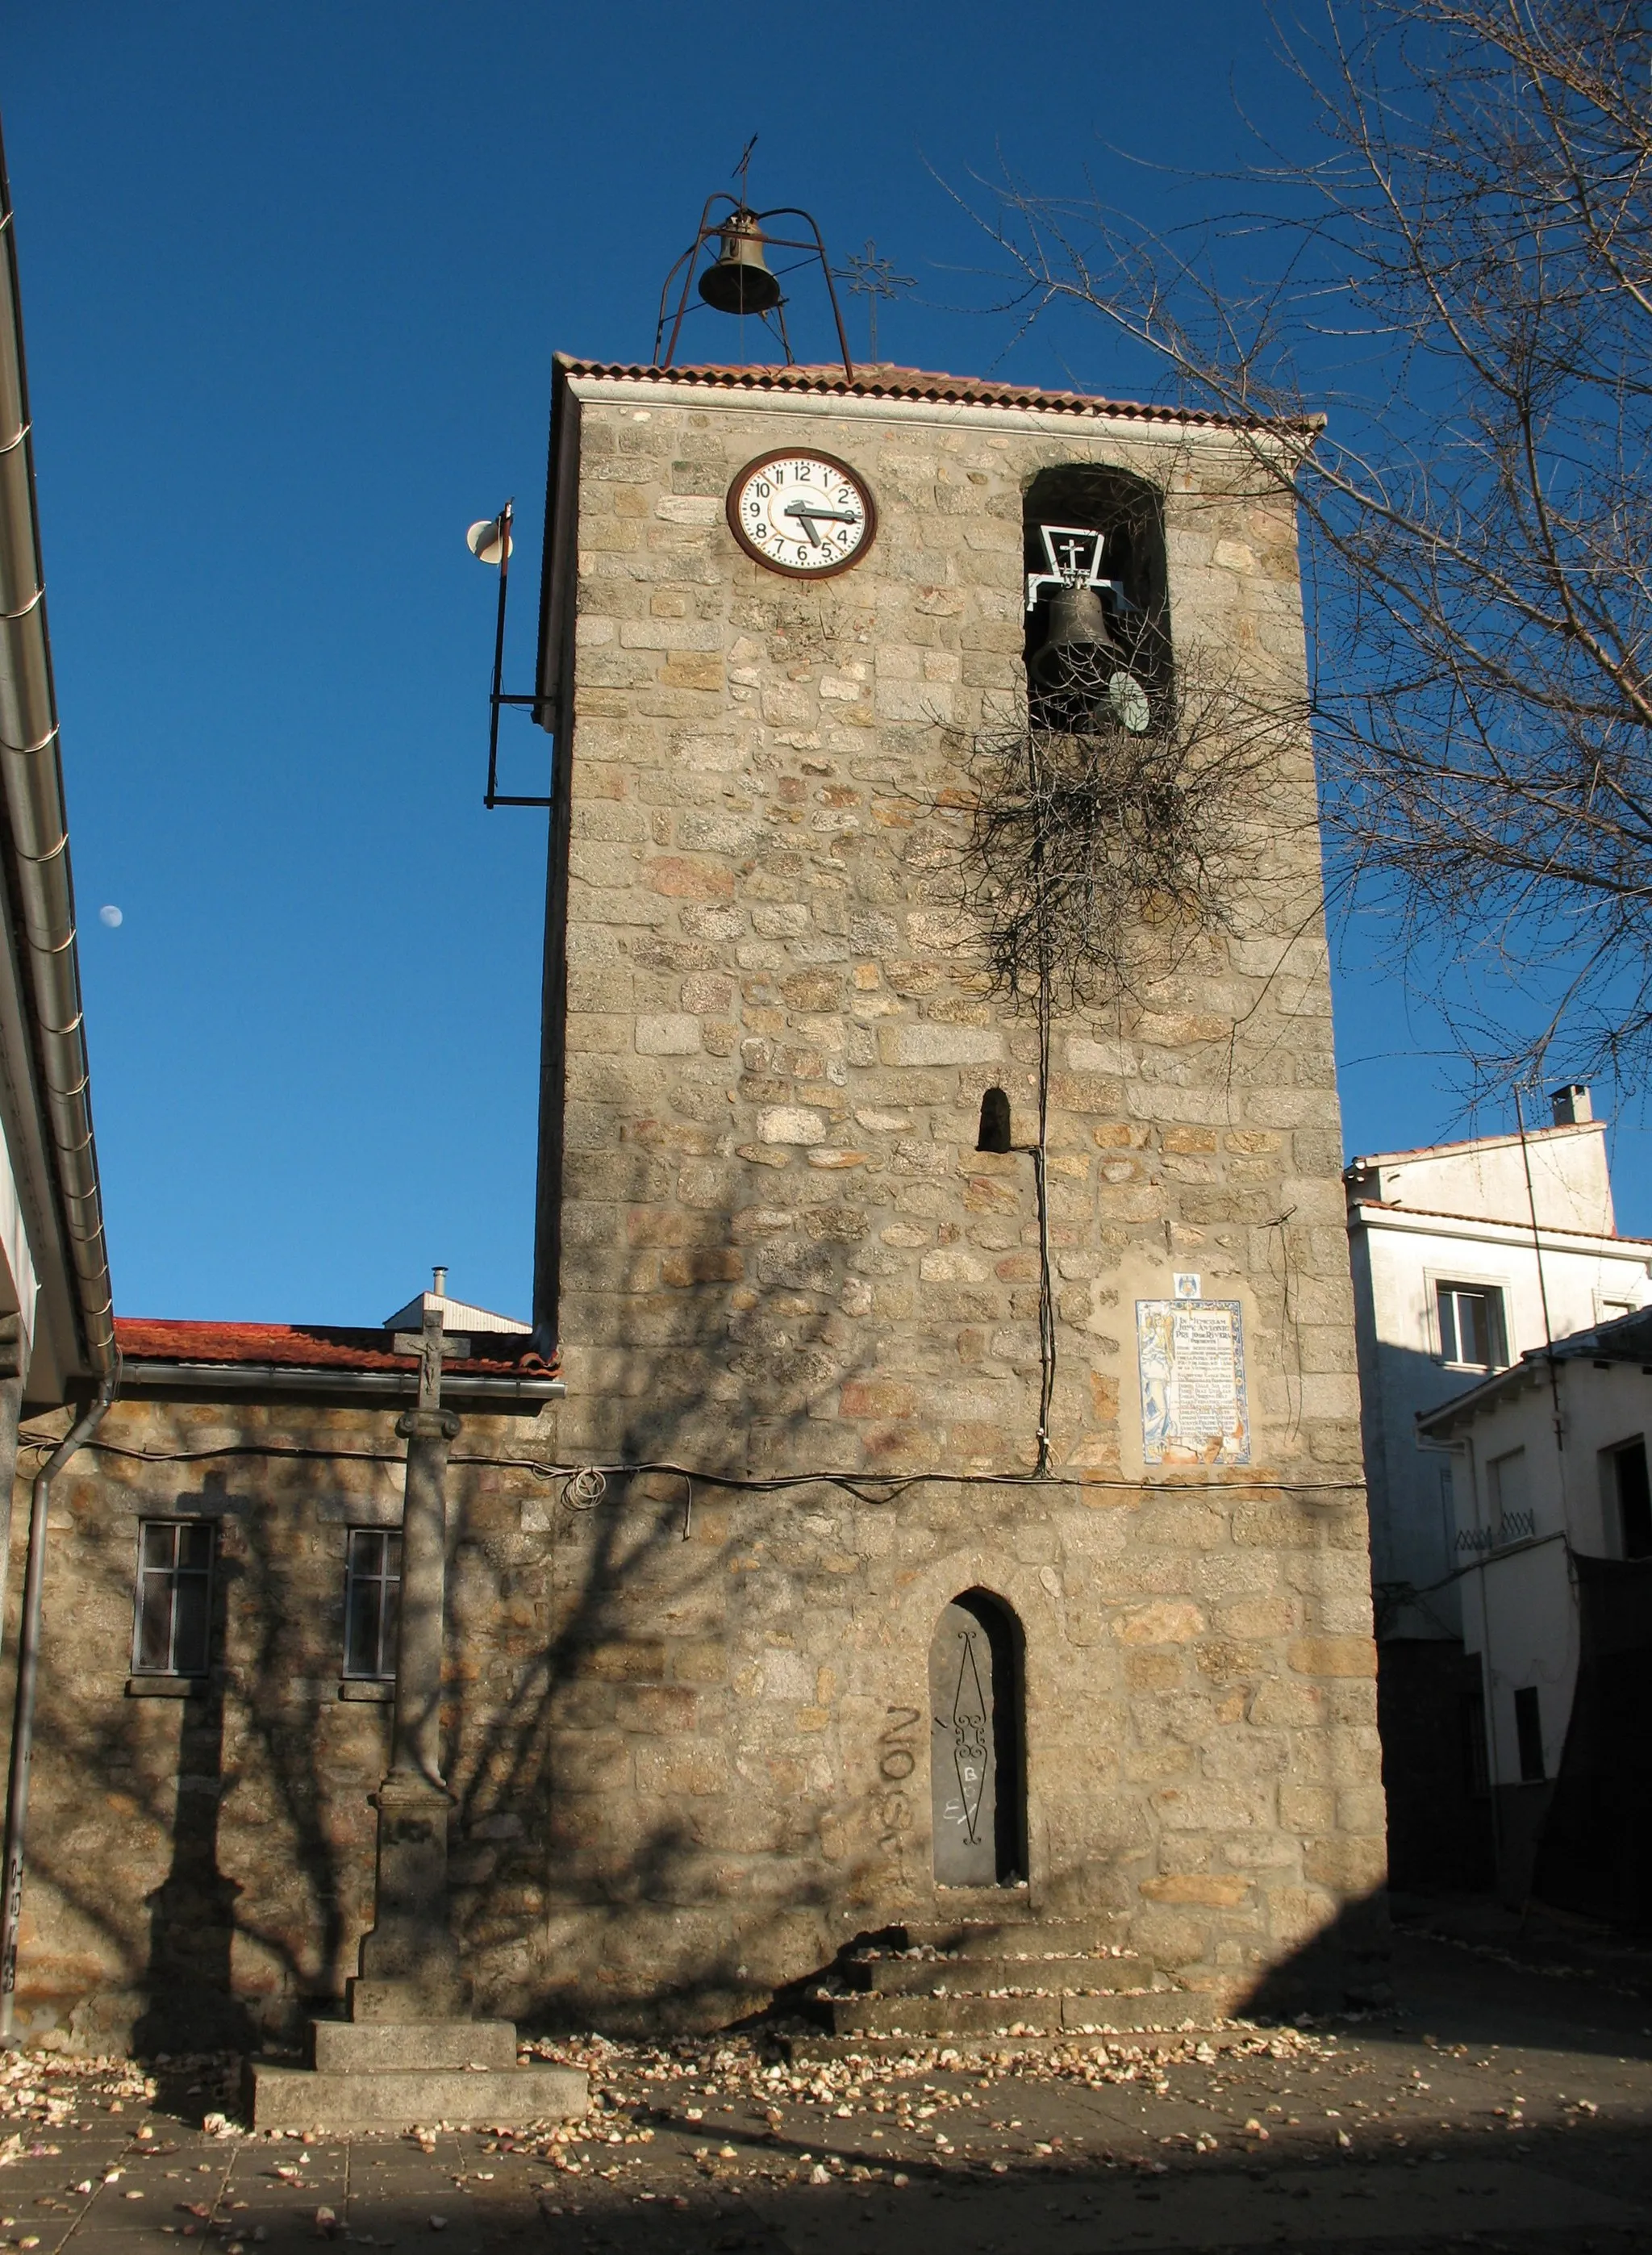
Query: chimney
pixel 440 1274
pixel 1572 1105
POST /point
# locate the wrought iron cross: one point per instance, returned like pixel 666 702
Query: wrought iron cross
pixel 871 277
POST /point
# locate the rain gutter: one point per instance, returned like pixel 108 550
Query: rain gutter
pixel 32 793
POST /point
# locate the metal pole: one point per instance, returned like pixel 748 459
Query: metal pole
pixel 28 1681
pixel 11 1352
pixel 506 516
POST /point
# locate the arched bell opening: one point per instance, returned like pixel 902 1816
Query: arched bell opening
pixel 977 1767
pixel 1097 610
pixel 995 1122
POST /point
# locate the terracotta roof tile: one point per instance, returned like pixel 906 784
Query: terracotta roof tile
pixel 1499 1221
pixel 312 1347
pixel 885 382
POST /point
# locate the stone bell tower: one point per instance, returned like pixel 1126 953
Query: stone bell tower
pixel 982 1537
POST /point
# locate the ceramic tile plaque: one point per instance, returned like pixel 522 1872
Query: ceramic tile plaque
pixel 1192 1357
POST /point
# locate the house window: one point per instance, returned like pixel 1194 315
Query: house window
pixel 1513 1519
pixel 1633 1495
pixel 1471 1326
pixel 372 1603
pixel 1528 1734
pixel 172 1635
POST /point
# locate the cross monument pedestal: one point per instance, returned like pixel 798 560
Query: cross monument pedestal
pixel 410 2053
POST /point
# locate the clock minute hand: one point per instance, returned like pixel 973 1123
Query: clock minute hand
pixel 809 515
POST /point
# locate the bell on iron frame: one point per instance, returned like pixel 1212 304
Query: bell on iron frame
pixel 738 281
pixel 1078 650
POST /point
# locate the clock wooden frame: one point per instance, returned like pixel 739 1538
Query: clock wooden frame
pixel 730 510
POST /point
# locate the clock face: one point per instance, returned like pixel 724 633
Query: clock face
pixel 808 515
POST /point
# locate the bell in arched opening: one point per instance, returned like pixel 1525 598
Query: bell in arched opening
pixel 1077 650
pixel 739 280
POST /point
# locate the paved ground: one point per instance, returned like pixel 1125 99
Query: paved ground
pixel 1504 2105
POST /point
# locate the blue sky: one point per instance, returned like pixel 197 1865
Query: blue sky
pixel 293 276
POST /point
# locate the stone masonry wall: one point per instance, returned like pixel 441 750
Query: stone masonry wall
pixel 783 1253
pixel 681 1740
pixel 689 1721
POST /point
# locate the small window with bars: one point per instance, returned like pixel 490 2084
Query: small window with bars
pixel 372 1605
pixel 1471 1334
pixel 172 1635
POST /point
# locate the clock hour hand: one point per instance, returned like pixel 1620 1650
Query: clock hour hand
pixel 810 514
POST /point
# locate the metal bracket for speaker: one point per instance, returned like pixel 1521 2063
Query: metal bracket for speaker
pixel 490 543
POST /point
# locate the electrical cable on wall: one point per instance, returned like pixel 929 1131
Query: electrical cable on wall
pixel 595 1479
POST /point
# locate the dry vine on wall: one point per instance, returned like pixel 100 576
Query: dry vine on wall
pixel 1097 853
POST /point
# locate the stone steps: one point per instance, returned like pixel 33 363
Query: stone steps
pixel 371 2047
pixel 1171 2021
pixel 395 2098
pixel 1000 1937
pixel 976 1982
pixel 991 2016
pixel 890 1976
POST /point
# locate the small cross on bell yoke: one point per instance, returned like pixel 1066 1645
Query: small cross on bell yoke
pixel 739 278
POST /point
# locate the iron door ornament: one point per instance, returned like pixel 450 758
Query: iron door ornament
pixel 962 1759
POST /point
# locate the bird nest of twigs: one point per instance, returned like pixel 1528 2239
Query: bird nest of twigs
pixel 1097 851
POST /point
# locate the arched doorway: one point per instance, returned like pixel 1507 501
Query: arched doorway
pixel 976 1766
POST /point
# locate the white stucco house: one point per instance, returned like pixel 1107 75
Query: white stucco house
pixel 1554 1537
pixel 1465 1256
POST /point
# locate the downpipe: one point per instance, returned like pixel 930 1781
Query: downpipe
pixel 28 1684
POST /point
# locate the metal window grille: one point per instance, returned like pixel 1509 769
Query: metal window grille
pixel 1512 1527
pixel 372 1603
pixel 172 1634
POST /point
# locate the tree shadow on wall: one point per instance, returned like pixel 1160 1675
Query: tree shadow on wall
pixel 245 1735
pixel 597 1792
pixel 596 1824
pixel 189 1979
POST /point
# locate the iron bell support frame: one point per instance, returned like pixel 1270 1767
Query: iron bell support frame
pixel 741 222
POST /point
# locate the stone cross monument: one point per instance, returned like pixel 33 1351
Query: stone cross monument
pixel 408 2053
pixel 410 1961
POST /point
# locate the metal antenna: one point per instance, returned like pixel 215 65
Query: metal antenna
pixel 871 277
pixel 744 166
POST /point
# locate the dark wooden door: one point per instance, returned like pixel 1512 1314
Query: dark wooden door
pixel 962 1755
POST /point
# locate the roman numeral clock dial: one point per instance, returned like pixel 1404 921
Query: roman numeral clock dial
pixel 805 514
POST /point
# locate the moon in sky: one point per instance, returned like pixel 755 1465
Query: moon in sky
pixel 110 916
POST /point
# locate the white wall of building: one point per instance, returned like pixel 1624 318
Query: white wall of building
pixel 1571 1185
pixel 1461 1214
pixel 1519 1608
pixel 1400 1259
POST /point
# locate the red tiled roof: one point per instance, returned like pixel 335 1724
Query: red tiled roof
pixel 1501 1221
pixel 888 382
pixel 313 1347
pixel 1559 1128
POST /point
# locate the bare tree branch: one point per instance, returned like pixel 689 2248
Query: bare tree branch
pixel 1475 227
